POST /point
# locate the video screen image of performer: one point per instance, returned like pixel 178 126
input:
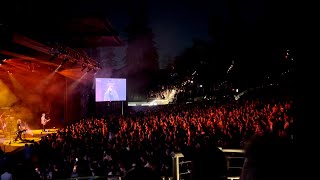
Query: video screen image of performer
pixel 111 93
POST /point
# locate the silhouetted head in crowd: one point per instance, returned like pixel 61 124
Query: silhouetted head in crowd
pixel 209 163
pixel 267 157
pixel 141 173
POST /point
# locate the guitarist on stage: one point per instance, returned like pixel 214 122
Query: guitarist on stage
pixel 44 121
pixel 19 130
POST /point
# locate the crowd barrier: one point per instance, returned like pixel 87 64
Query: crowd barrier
pixel 177 156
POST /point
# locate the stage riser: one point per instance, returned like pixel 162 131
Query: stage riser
pixel 7 142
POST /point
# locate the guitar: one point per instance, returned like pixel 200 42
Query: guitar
pixel 45 121
pixel 20 131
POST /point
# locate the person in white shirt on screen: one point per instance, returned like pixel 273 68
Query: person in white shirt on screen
pixel 110 94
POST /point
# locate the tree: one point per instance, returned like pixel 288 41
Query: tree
pixel 141 54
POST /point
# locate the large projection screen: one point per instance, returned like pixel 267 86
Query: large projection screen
pixel 110 89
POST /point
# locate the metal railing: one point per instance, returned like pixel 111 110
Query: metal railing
pixel 177 156
pixel 235 162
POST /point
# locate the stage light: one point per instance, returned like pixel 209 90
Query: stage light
pixel 83 67
pixel 54 57
pixel 64 61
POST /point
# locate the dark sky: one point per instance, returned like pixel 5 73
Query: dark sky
pixel 244 24
pixel 174 23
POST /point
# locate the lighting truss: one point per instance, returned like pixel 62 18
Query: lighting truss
pixel 74 56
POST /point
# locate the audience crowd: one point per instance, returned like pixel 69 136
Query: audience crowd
pixel 113 145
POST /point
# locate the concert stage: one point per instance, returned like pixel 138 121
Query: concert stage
pixel 7 144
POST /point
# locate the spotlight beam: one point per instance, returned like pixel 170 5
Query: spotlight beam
pixel 20 56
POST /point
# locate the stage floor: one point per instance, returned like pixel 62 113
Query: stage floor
pixel 8 145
